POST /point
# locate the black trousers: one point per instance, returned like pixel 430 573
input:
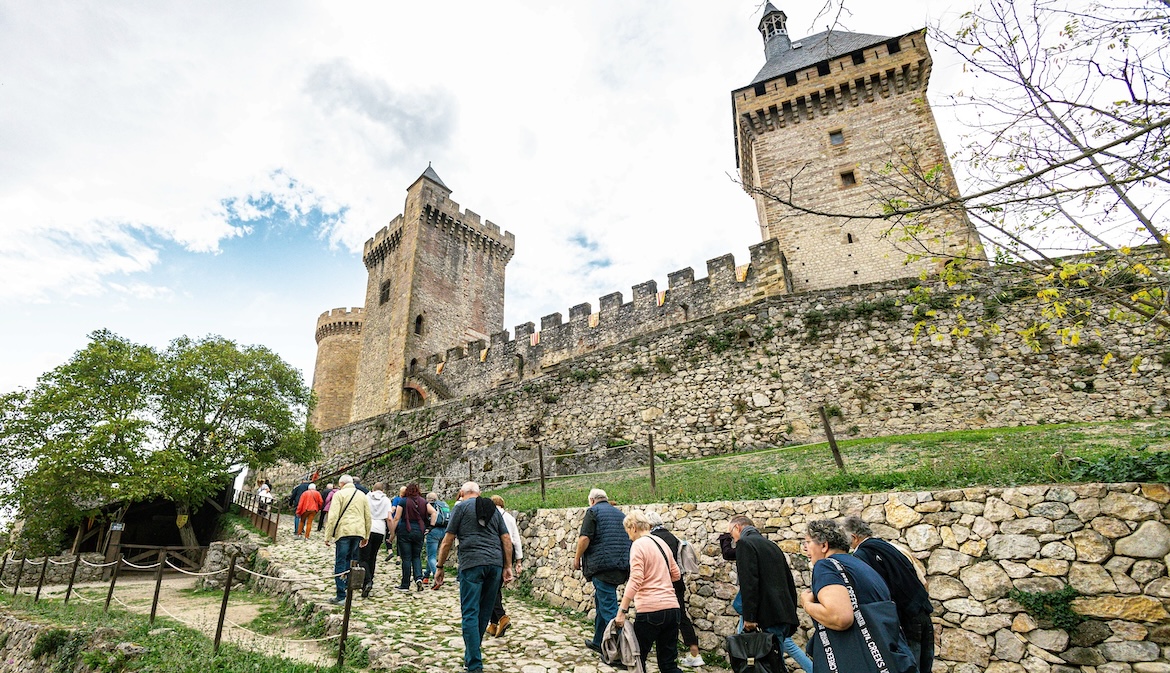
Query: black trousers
pixel 685 627
pixel 498 610
pixel 370 556
pixel 660 630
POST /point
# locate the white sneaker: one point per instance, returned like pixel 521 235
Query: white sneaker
pixel 694 662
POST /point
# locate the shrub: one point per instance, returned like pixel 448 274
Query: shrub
pixel 1051 606
pixel 1119 466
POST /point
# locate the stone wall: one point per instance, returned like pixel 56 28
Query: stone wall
pixel 755 375
pixel 58 571
pixel 19 637
pixel 1108 541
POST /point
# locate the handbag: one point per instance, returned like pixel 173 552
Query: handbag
pixel 755 652
pixel 874 643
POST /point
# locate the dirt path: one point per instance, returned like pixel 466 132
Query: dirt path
pixel 200 611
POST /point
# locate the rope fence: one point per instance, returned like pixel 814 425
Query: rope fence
pixel 356 577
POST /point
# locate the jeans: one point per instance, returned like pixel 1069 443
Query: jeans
pixel 605 598
pixel 920 638
pixel 478 587
pixel 347 550
pixel 370 557
pixel 660 630
pixel 434 538
pixel 296 525
pixel 410 550
pixel 790 648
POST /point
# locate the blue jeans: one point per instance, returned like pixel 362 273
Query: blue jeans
pixel 605 598
pixel 790 648
pixel 296 524
pixel 478 587
pixel 434 538
pixel 347 550
pixel 410 549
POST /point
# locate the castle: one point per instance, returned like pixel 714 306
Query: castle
pixel 823 115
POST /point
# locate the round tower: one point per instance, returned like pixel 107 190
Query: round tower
pixel 339 346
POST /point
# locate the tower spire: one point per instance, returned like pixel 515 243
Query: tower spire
pixel 774 29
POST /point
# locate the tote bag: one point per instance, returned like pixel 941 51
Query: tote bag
pixel 755 652
pixel 874 643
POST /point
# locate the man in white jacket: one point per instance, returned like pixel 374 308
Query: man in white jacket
pixel 379 515
pixel 500 620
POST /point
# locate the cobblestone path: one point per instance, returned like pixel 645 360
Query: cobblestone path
pixel 422 629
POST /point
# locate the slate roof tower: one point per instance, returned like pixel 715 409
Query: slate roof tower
pixel 822 118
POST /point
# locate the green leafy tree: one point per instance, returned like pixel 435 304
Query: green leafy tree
pixel 122 422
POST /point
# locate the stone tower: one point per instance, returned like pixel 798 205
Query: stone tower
pixel 339 346
pixel 436 280
pixel 821 121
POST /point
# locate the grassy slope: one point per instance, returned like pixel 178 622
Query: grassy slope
pixel 990 457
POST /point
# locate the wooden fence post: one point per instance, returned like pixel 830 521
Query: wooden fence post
pixel 832 440
pixel 540 458
pixel 72 576
pixel 41 579
pixel 19 574
pixel 357 575
pixel 4 565
pixel 113 581
pixel 227 591
pixel 653 477
pixel 470 477
pixel 162 559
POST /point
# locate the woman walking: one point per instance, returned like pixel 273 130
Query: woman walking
pixel 410 519
pixel 653 573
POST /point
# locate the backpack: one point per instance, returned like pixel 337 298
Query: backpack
pixel 443 514
pixel 686 558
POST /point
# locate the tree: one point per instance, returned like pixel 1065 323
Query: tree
pixel 1066 161
pixel 122 422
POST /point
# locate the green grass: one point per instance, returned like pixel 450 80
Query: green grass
pixel 177 649
pixel 990 457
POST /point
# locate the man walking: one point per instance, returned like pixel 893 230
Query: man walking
pixel 766 586
pixel 485 555
pixel 907 592
pixel 380 517
pixel 603 557
pixel 349 525
pixel 294 500
pixel 500 619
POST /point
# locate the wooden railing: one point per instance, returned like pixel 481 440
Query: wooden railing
pixel 259 511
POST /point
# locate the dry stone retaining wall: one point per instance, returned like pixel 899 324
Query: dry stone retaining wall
pixel 1108 541
pixel 58 571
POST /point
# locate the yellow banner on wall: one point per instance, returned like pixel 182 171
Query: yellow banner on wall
pixel 181 520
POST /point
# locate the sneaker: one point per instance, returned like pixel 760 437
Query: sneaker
pixel 593 646
pixel 404 590
pixel 366 590
pixel 492 627
pixel 505 622
pixel 694 662
pixel 336 601
pixel 418 585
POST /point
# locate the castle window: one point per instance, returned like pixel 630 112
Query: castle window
pixel 418 325
pixel 760 89
pixel 414 361
pixel 384 292
pixel 823 68
pixel 848 238
pixel 790 79
pixel 894 46
pixel 837 137
pixel 858 57
pixel 848 179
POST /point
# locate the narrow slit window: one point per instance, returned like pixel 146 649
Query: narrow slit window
pixel 848 238
pixel 384 292
pixel 848 179
pixel 418 325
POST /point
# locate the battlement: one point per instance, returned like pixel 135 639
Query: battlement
pixel 383 243
pixel 441 211
pixel 478 365
pixel 340 321
pixel 832 85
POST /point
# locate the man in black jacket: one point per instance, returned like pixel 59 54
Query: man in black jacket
pixel 295 499
pixel 765 581
pixel 907 592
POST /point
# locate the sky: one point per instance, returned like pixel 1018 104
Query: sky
pixel 173 169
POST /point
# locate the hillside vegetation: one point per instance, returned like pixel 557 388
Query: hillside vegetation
pixel 1115 451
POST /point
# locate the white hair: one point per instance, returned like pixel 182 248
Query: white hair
pixel 598 494
pixel 654 518
pixel 312 487
pixel 469 488
pixel 345 479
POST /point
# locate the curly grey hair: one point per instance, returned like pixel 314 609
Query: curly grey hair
pixel 853 525
pixel 827 531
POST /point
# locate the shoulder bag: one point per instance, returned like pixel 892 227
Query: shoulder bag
pixel 755 652
pixel 874 643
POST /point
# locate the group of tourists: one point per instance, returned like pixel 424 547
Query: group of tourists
pixel 871 611
pixel 870 608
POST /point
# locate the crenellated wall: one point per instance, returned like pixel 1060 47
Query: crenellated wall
pixel 339 346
